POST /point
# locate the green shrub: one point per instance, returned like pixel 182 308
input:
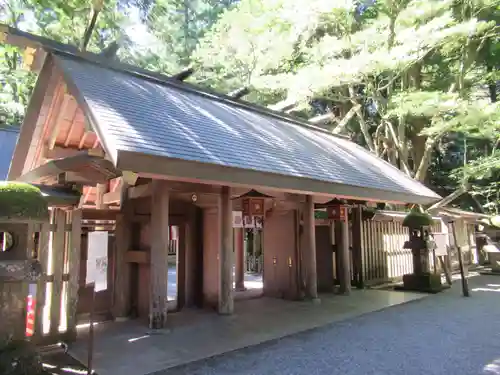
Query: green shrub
pixel 22 201
pixel 416 219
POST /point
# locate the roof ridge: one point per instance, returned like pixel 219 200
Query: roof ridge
pixel 189 87
pixel 54 46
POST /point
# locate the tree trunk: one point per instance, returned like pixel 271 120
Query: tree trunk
pixel 425 161
pixel 492 85
pixel 362 123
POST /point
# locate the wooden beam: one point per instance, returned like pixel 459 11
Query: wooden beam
pixel 94 214
pixel 59 152
pixel 85 197
pixel 112 197
pixel 85 177
pixel 321 119
pixel 142 257
pixel 101 189
pixel 284 105
pixel 59 118
pixel 450 198
pixel 183 74
pixel 96 151
pixel 160 239
pixel 130 177
pixel 239 93
pixel 140 191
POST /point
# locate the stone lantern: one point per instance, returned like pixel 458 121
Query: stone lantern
pixel 22 211
pixel 420 242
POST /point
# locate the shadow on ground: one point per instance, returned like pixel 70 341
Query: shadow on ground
pixel 62 364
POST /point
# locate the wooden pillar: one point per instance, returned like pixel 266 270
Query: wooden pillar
pixel 357 250
pixel 74 255
pixel 57 270
pixel 344 257
pixel 160 234
pixel 43 258
pixel 191 255
pixel 239 252
pixel 181 267
pixel 226 302
pixel 309 253
pixel 123 237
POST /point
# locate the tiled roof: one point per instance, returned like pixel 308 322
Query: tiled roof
pixel 157 118
pixel 8 140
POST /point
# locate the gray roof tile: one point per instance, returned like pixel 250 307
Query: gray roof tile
pixel 145 116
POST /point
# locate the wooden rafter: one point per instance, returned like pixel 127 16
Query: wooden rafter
pixel 84 138
pixel 71 129
pixel 60 117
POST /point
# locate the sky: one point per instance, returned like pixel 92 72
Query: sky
pixel 135 29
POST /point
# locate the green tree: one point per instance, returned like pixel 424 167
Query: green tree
pixel 402 77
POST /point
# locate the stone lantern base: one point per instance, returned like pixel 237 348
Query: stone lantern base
pixel 423 282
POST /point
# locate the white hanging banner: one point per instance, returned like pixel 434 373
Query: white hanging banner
pixel 440 244
pixel 237 219
pixel 258 222
pixel 97 260
pixel 248 222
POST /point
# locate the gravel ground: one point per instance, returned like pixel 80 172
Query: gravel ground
pixel 441 334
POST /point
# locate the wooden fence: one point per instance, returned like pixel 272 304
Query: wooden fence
pixel 384 259
pixel 58 250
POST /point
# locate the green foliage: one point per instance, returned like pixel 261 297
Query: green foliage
pixel 412 80
pixel 416 219
pixel 21 201
pixel 15 87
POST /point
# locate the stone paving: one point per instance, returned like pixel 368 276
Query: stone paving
pixel 442 334
pixel 128 348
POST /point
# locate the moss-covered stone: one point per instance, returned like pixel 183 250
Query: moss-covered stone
pixel 21 201
pixel 416 219
pixel 424 282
